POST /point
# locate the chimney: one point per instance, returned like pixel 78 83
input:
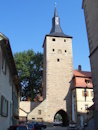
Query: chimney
pixel 79 67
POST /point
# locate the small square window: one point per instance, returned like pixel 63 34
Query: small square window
pixel 58 60
pixel 86 106
pixel 39 112
pixel 53 49
pixel 33 118
pixel 4 106
pixel 65 50
pixel 53 39
pixel 40 119
pixel 64 40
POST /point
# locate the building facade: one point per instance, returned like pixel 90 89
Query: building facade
pixel 57 75
pixel 7 84
pixel 82 96
pixel 91 18
pixel 16 92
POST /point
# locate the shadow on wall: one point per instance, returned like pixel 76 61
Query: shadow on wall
pixel 25 109
pixel 28 106
pixel 68 99
pixel 83 119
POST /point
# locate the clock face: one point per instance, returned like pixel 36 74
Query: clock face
pixel 57 21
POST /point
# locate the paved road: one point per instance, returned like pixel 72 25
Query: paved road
pixel 56 128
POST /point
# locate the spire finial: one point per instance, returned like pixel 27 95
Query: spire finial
pixel 55 12
pixel 55 4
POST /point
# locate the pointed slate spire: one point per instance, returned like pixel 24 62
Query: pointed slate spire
pixel 56 29
pixel 55 12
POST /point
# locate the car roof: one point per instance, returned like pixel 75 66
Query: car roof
pixel 17 125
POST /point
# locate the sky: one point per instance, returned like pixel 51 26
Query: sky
pixel 26 22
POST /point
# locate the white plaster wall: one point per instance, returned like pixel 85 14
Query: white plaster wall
pixel 81 100
pixel 22 113
pixel 25 105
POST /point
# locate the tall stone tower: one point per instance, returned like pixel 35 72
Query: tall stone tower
pixel 57 76
pixel 58 71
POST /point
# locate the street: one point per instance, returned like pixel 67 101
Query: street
pixel 56 128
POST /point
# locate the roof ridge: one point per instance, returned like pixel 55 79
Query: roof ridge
pixel 83 71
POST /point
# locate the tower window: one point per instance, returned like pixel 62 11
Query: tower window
pixel 59 51
pixel 53 49
pixel 86 106
pixel 65 50
pixel 53 39
pixel 39 112
pixel 58 60
pixel 64 40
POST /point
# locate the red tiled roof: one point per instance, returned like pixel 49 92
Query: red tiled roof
pixel 79 80
pixel 82 74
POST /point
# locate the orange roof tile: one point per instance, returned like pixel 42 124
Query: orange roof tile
pixel 79 80
pixel 82 74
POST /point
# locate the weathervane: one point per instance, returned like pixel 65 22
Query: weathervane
pixel 55 4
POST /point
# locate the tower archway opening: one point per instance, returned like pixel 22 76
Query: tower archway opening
pixel 61 118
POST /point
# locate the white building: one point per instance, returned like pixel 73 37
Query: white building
pixel 8 85
pixel 82 96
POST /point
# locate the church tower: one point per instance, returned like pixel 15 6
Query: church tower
pixel 58 72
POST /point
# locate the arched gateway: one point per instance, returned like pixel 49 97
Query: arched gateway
pixel 57 76
pixel 61 116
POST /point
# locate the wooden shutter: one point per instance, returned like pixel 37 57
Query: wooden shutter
pixel 83 93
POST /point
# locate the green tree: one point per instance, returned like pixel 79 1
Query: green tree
pixel 30 72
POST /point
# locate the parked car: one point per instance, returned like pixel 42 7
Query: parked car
pixel 57 124
pixel 31 126
pixel 18 127
pixel 73 126
pixel 39 126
